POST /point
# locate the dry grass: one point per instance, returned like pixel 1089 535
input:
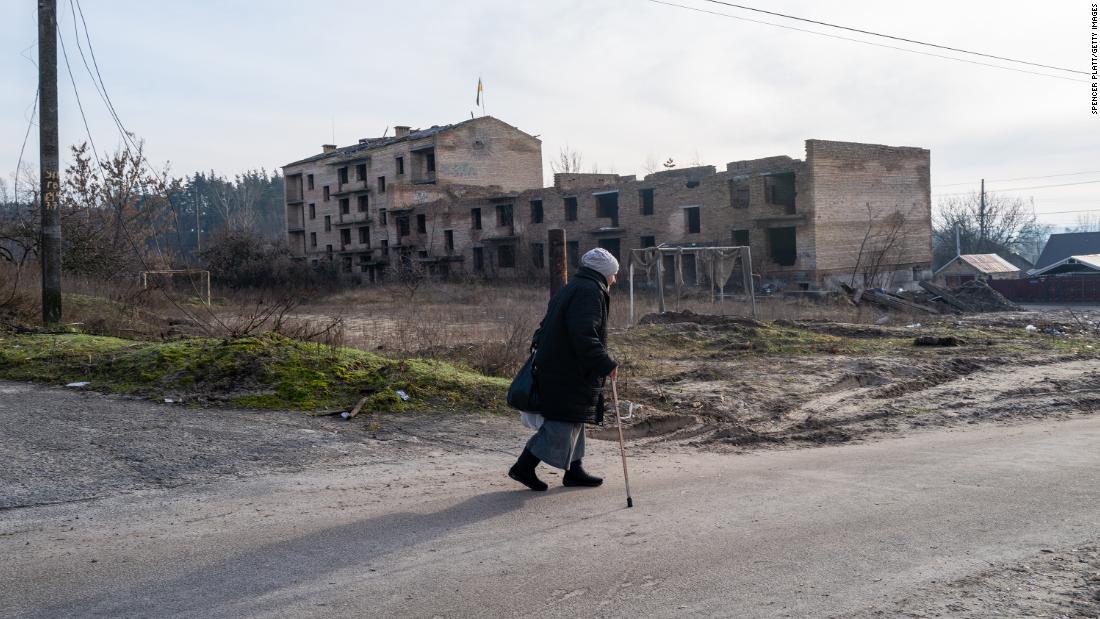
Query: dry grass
pixel 485 326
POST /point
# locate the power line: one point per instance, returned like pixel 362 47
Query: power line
pixel 79 105
pixel 1021 178
pixel 896 38
pixel 19 165
pixel 842 38
pixel 101 87
pixel 965 193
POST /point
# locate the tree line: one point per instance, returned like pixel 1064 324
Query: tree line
pixel 121 215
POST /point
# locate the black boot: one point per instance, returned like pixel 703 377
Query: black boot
pixel 523 471
pixel 576 476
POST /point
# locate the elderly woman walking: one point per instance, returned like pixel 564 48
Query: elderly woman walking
pixel 572 365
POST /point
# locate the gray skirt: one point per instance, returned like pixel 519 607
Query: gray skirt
pixel 558 443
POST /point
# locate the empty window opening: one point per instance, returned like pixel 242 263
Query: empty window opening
pixel 313 239
pixel 328 223
pixel 361 172
pixel 362 202
pixel 687 267
pixel 326 192
pixel 692 184
pixel 573 251
pixel 479 259
pixel 740 238
pixel 364 236
pixel 645 197
pixel 537 259
pixel 345 237
pixel 312 211
pixel 400 165
pixel 607 205
pixel 345 206
pixel 649 241
pixel 423 253
pixel 381 184
pixel 475 218
pixel 504 215
pixel 779 190
pixel 739 195
pixel 402 225
pixel 691 220
pixel 385 249
pixel 345 265
pixel 343 174
pixel 506 257
pixel 429 162
pixel 782 249
pixel 422 224
pixel 570 209
pixel 536 211
pixel 449 241
pixel 382 216
pixel 309 182
pixel 328 250
pixel 611 245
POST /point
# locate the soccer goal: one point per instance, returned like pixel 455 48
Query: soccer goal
pixel 189 281
pixel 709 265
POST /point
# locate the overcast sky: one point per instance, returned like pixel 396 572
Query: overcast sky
pixel 234 84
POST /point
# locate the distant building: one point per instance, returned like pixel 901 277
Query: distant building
pixel 1086 264
pixel 469 198
pixel 1062 246
pixel 968 267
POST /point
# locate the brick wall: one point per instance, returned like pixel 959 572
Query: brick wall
pixel 860 187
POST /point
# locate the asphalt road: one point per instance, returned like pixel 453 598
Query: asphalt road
pixel 812 532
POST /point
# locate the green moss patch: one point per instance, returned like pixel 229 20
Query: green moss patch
pixel 265 371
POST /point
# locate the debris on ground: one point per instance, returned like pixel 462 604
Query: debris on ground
pixel 982 298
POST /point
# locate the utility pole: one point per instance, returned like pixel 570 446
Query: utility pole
pixel 49 247
pixel 981 220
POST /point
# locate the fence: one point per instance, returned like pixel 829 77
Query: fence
pixel 1051 289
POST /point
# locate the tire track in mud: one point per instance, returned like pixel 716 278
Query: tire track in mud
pixel 867 404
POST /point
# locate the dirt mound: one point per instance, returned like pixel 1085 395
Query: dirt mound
pixel 692 317
pixel 982 298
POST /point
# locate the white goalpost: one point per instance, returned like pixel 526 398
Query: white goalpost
pixel 718 263
pixel 203 290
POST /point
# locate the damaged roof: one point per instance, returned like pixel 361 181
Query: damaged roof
pixel 368 144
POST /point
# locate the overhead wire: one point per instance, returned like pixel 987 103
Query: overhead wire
pixel 850 39
pixel 965 193
pixel 23 148
pixel 1019 178
pixel 895 38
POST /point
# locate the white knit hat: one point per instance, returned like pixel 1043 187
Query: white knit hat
pixel 601 261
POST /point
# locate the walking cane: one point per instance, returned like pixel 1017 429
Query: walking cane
pixel 622 445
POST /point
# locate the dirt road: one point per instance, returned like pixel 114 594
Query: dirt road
pixel 896 526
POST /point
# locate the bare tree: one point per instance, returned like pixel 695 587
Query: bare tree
pixel 651 164
pixel 568 161
pixel 883 245
pixel 1000 223
pixel 1087 222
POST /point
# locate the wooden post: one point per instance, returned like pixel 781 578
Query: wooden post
pixel 630 270
pixel 678 275
pixel 49 253
pixel 660 281
pixel 559 267
pixel 746 265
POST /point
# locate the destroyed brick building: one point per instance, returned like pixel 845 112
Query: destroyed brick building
pixel 468 198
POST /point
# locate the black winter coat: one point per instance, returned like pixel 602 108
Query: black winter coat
pixel 572 362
